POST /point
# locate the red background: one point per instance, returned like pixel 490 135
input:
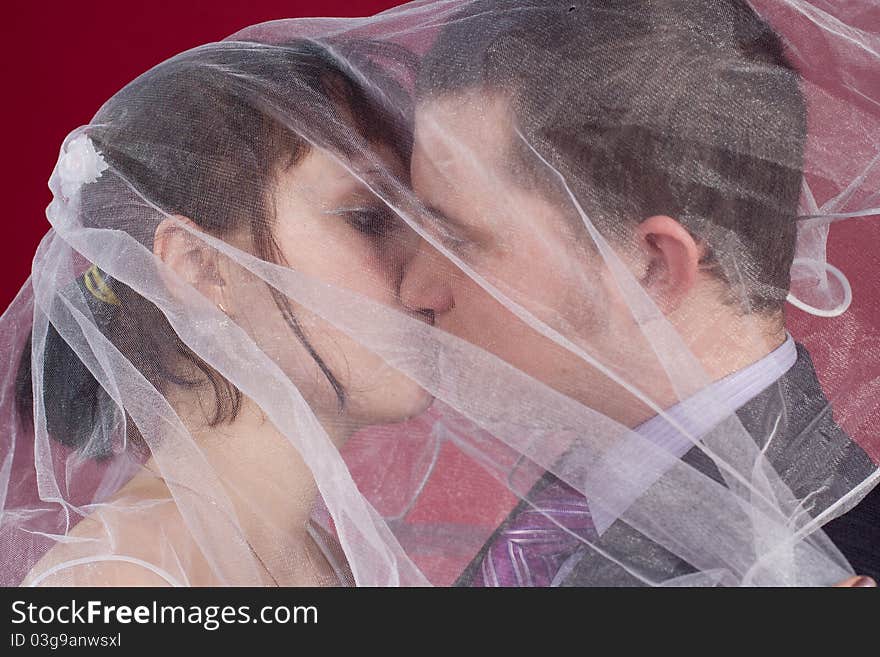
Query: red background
pixel 62 59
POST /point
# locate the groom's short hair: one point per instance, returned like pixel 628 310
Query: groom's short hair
pixel 682 107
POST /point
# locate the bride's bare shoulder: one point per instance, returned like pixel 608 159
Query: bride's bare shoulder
pixel 137 539
pixel 97 571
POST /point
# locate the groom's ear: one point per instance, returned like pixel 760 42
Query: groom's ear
pixel 671 257
pixel 191 259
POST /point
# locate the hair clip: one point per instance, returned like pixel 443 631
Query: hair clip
pixel 95 283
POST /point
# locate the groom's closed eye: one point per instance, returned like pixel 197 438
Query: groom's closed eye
pixel 453 234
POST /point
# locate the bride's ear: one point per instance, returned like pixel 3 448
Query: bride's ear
pixel 190 258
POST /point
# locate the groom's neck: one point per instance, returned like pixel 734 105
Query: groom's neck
pixel 720 343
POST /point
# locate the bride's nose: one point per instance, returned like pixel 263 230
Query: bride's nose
pixel 426 284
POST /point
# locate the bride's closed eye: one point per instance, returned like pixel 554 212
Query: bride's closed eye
pixel 372 221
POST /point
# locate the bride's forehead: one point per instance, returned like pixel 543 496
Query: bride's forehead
pixel 318 174
pixel 323 176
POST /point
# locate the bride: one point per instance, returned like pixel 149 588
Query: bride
pixel 208 144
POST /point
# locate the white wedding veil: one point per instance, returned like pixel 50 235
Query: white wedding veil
pixel 348 301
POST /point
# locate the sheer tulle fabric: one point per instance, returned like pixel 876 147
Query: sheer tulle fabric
pixel 233 378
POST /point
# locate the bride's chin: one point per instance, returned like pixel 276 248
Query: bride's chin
pixel 421 402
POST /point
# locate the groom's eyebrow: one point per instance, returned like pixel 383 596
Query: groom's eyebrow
pixel 440 217
pixel 440 220
pixel 454 228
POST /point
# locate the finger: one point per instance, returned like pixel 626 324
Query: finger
pixel 856 581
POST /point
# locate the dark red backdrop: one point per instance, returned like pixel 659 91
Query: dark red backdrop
pixel 62 59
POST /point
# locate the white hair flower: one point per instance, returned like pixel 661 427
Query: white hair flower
pixel 81 163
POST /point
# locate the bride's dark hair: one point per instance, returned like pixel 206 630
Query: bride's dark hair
pixel 202 135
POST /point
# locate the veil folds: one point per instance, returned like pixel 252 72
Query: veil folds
pixel 466 292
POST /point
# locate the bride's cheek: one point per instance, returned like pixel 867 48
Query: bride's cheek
pixel 365 270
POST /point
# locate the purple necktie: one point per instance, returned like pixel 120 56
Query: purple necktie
pixel 531 548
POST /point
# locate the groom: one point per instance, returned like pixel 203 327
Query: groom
pixel 681 127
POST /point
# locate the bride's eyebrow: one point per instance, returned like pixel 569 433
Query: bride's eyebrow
pixel 363 181
pixel 346 185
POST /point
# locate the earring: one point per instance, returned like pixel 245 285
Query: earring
pixel 225 320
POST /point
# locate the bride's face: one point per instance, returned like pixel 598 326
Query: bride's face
pixel 330 227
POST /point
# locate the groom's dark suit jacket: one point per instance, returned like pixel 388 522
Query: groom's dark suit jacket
pixel 806 427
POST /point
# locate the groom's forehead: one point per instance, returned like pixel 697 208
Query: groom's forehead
pixel 464 131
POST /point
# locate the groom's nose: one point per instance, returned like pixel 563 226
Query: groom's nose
pixel 427 282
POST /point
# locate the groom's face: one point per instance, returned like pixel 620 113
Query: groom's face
pixel 520 242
